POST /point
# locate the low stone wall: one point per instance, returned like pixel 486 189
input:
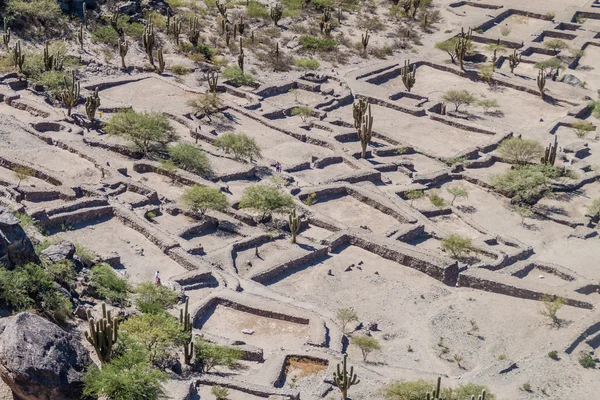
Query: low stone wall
pixel 255 390
pixel 69 207
pixel 271 273
pixel 473 4
pixel 131 220
pixel 116 148
pixel 456 124
pixel 11 164
pixel 76 217
pixel 325 161
pixel 416 111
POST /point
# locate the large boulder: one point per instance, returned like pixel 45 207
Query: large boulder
pixel 15 246
pixel 39 360
pixel 58 252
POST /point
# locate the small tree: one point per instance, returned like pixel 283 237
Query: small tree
pixel 449 46
pixel 457 192
pixel 457 245
pixel 551 65
pixel 209 355
pixel 147 131
pixel 413 195
pixel 521 151
pixel 524 212
pixel 206 105
pixel 22 173
pixel 200 199
pixel 241 145
pixel 486 104
pixel 366 344
pixel 459 98
pixel 345 316
pixel 266 200
pixel 551 306
pixel 154 299
pixel 190 158
pixel 304 112
pixel 219 392
pixel 556 45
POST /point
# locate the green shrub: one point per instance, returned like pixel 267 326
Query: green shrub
pixel 206 51
pixel 417 390
pixel 219 392
pixel 266 200
pixel 29 14
pixel 53 81
pixel 200 198
pixel 127 377
pixel 190 158
pixel 525 184
pixel 307 64
pixel 521 151
pixel 587 361
pixel 133 29
pixel 319 44
pixel 153 298
pixel 254 9
pixel 209 355
pixel 553 354
pixel 106 35
pixel 31 286
pixel 236 76
pixel 179 70
pixel 148 131
pixel 85 254
pixel 241 145
pixel 457 245
pixel 62 272
pixel 108 285
pixel 366 344
pixel 436 199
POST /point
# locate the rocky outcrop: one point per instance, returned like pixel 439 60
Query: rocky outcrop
pixel 15 246
pixel 38 360
pixel 58 252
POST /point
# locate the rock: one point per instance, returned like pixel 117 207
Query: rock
pixel 81 312
pixel 15 246
pixel 39 360
pixel 223 187
pixel 579 148
pixel 571 80
pixel 372 326
pixel 64 250
pixel 130 8
pixel 177 288
pixel 248 331
pixel 583 232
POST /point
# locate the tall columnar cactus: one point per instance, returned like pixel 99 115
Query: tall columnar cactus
pixel 176 28
pixel 18 57
pixel 344 380
pixel 84 13
pixel 415 7
pixel 227 37
pixel 514 59
pixel 327 29
pixel 541 82
pixel 408 77
pixel 212 79
pixel 276 50
pixel 241 57
pixel 186 326
pixel 102 334
pixel 241 26
pixel 161 61
pixel 80 35
pixel 52 62
pixel 92 103
pixel 294 222
pixel 339 15
pixel 364 131
pixel 359 109
pixel 70 95
pixel 123 49
pixel 168 24
pixel 222 7
pixel 276 13
pixel 6 34
pixel 365 41
pixel 550 153
pixel 326 15
pixel 114 21
pixel 148 40
pixel 194 35
pixel 494 59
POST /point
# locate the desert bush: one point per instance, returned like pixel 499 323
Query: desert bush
pixel 22 173
pixel 551 306
pixel 209 355
pixel 108 285
pixel 366 344
pixel 457 245
pixel 241 145
pixel 307 64
pixel 127 377
pixel 179 70
pixel 62 272
pixel 525 184
pixel 318 44
pixel 553 354
pixel 254 9
pixel 436 199
pixel 345 316
pixel 190 158
pixel 206 104
pixel 158 333
pixel 236 76
pixel 304 112
pixel 28 14
pixel 413 195
pixel 486 73
pixel 373 24
pixel 154 299
pixel 593 210
pixel 105 34
pixel 523 211
pixel 459 98
pixel 219 392
pixel 202 198
pixel 556 44
pixel 148 131
pixel 486 104
pixel 521 151
pixel 582 128
pixel 30 286
pixel 84 254
pixel 586 361
pixel 505 30
pixel 266 200
pixel 595 107
pixel 418 390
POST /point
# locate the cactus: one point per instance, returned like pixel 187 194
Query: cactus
pixel 80 35
pixel 186 326
pixel 148 40
pixel 70 95
pixel 54 62
pixel 550 153
pixel 92 103
pixel 6 34
pixel 161 61
pixel 339 15
pixel 365 41
pixel 513 60
pixel 294 222
pixel 541 82
pixel 123 49
pixel 114 21
pixel 241 26
pixel 241 56
pixel 364 131
pixel 326 15
pixel 276 13
pixel 222 9
pixel 102 334
pixel 176 28
pixel 194 35
pixel 415 7
pixel 168 24
pixel 328 29
pixel 408 77
pixel 277 50
pixel 358 111
pixel 227 37
pixel 18 57
pixel 84 13
pixel 212 79
pixel 344 380
pixel 494 60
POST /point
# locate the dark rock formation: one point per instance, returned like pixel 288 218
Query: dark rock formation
pixel 58 252
pixel 39 360
pixel 15 246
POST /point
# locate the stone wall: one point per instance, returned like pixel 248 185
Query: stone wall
pixel 272 272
